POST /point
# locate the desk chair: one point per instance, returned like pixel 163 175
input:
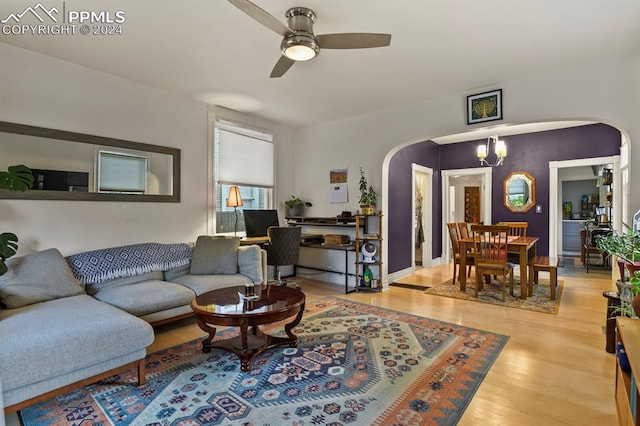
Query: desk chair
pixel 283 249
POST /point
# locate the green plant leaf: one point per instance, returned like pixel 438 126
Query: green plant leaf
pixel 8 247
pixel 16 178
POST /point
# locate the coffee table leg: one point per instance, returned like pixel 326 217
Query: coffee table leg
pixel 288 327
pixel 206 343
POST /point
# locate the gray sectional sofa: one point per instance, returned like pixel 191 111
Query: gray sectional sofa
pixel 65 322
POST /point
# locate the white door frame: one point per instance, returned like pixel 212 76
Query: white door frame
pixel 486 173
pixel 555 194
pixel 427 215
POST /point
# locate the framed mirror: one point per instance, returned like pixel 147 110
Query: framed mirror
pixel 519 192
pixel 80 167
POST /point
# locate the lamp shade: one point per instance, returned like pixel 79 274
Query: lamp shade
pixel 234 199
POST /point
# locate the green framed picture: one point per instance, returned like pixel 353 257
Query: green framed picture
pixel 484 107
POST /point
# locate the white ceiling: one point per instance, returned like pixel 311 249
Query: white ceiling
pixel 210 50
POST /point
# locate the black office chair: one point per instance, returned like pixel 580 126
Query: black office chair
pixel 283 249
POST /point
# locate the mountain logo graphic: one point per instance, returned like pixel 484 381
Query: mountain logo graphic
pixel 38 11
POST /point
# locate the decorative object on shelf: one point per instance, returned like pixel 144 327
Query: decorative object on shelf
pixel 234 200
pixel 367 277
pixel 16 178
pixel 484 107
pixel 500 150
pixel 367 195
pixel 519 192
pixel 368 251
pixel 296 206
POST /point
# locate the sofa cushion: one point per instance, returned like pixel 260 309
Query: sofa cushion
pixel 215 255
pixel 115 282
pixel 146 297
pixel 250 263
pixel 203 283
pixel 54 338
pixel 37 277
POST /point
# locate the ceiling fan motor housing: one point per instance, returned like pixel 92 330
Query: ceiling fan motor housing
pixel 301 22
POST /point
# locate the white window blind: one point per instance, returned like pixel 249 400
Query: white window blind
pixel 245 157
pixel 121 172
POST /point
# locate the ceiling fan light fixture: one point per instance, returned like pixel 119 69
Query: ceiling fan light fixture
pixel 300 47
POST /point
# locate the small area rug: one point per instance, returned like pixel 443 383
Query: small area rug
pixel 491 293
pixel 355 364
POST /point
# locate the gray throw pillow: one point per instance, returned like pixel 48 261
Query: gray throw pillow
pixel 215 255
pixel 37 277
pixel 250 262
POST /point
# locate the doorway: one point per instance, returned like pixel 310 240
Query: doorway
pixel 421 242
pixel 455 206
pixel 556 196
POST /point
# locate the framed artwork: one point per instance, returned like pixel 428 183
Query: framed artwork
pixel 484 107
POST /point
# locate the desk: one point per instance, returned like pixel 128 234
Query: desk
pixel 312 241
pixel 246 241
pixel 525 246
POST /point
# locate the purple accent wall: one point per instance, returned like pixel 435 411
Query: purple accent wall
pixel 400 221
pixel 529 152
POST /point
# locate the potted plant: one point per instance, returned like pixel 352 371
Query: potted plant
pixel 367 195
pixel 625 246
pixel 296 206
pixel 16 178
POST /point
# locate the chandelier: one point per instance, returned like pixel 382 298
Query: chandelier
pixel 500 150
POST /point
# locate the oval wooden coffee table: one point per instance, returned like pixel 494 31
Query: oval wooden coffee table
pixel 224 307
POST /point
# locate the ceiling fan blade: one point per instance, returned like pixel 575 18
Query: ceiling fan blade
pixel 281 67
pixel 261 16
pixel 353 40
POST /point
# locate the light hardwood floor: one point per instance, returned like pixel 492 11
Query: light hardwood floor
pixel 553 371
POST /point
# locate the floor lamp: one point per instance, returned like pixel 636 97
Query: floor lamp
pixel 234 200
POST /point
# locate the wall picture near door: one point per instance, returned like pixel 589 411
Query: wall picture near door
pixel 472 204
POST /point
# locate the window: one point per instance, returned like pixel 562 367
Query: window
pixel 243 157
pixel 122 173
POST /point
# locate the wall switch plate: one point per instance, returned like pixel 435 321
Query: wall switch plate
pixel 538 208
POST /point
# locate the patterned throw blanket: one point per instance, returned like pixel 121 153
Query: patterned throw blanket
pixel 93 267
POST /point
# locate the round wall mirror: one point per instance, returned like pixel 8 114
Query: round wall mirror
pixel 519 192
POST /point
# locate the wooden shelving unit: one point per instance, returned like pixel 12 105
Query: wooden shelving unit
pixel 365 224
pixel 626 393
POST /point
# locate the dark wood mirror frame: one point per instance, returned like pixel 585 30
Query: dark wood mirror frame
pixel 529 194
pixel 54 135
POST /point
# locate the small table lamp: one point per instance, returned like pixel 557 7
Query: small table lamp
pixel 234 200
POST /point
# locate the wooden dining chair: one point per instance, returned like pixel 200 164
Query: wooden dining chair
pixel 454 236
pixel 464 229
pixel 490 255
pixel 516 229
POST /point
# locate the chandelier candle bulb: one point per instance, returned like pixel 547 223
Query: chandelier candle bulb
pixel 482 152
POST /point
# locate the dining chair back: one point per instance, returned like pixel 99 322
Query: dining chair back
pixel 464 229
pixel 454 236
pixel 490 244
pixel 516 229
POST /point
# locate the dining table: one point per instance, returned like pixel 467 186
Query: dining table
pixel 524 246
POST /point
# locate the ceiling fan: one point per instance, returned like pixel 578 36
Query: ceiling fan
pixel 299 42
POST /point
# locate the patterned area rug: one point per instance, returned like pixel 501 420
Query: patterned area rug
pixel 491 293
pixel 355 364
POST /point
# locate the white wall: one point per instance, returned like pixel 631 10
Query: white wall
pixel 607 91
pixel 43 91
